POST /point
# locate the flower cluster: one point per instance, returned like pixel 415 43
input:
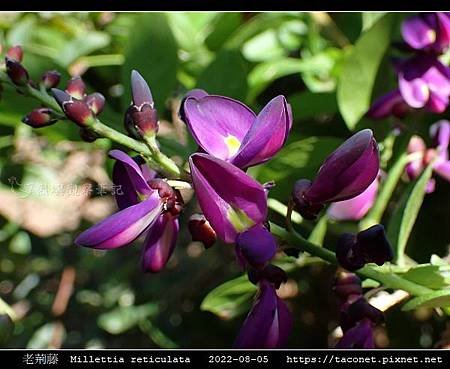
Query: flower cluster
pixel 424 81
pixel 357 317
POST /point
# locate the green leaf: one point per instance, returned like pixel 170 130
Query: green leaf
pixel 320 230
pixel 431 300
pixel 360 70
pixel 432 276
pixel 151 50
pixel 123 318
pixel 222 27
pixel 226 75
pixel 370 18
pixel 405 215
pixel 230 299
pixel 308 105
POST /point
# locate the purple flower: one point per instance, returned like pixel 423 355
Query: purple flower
pixel 147 205
pixel 424 82
pixel 390 104
pixel 235 206
pixel 368 246
pixel 428 32
pixel 358 337
pixel 345 174
pixel 355 208
pixel 268 323
pixel 440 132
pixel 227 129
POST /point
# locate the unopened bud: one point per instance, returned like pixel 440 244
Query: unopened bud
pixel 96 102
pixel 201 230
pixel 347 284
pixel 76 88
pixel 271 273
pixel 50 79
pixel 77 111
pixel 16 53
pixel 16 72
pixel 87 135
pixel 41 117
pixel 173 200
pixel 302 205
pixel 361 309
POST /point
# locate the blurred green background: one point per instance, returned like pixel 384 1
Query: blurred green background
pixel 54 294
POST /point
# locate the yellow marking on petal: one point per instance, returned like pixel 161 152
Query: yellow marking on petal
pixel 240 221
pixel 233 145
pixel 431 34
pixel 425 91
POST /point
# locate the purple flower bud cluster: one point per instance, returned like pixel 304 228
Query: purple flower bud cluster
pixel 424 81
pixel 438 154
pixel 344 175
pixel 368 246
pixel 356 316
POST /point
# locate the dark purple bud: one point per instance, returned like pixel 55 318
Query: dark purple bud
pixel 16 53
pixel 16 72
pixel 61 97
pixel 374 246
pixel 173 202
pixel 391 103
pixel 50 79
pixel 140 91
pixel 358 337
pixel 79 112
pixel 41 117
pixel 302 205
pixel 201 230
pixel 361 309
pixel 87 135
pixel 347 284
pixel 368 246
pixel 96 102
pixel 256 246
pixel 270 273
pixel 76 88
pixel 141 121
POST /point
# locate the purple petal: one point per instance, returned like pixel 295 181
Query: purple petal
pixel 348 171
pixel 267 134
pixel 358 337
pixel 443 169
pixel 418 33
pixel 356 208
pixel 231 200
pixel 281 327
pixel 443 34
pixel 160 243
pixel 256 245
pixel 134 171
pixel 416 166
pixel 391 103
pixel 140 90
pixel 122 227
pixel 217 123
pixel 440 132
pixel 255 330
pixel 436 103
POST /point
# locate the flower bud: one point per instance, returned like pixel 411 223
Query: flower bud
pixel 369 246
pixel 270 273
pixel 76 88
pixel 201 230
pixel 255 247
pixel 302 205
pixel 16 72
pixel 87 135
pixel 96 102
pixel 361 309
pixel 41 117
pixel 76 110
pixel 347 284
pixel 173 202
pixel 50 79
pixel 141 118
pixel 16 53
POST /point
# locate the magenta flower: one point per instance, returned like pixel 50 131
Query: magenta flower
pixel 147 206
pixel 424 82
pixel 345 174
pixel 355 208
pixel 429 32
pixel 234 204
pixel 227 129
pixel 268 323
pixel 389 104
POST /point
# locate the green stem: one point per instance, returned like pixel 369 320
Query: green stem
pixel 388 279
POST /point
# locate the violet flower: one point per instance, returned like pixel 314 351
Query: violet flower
pixel 147 206
pixel 389 104
pixel 424 82
pixel 227 129
pixel 235 205
pixel 345 174
pixel 358 337
pixel 268 323
pixel 368 246
pixel 355 208
pixel 428 32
